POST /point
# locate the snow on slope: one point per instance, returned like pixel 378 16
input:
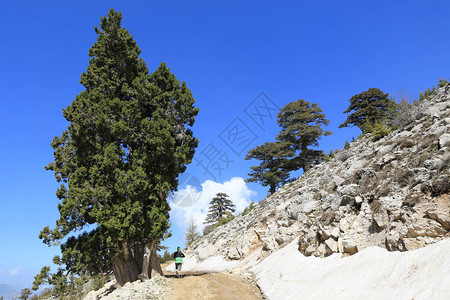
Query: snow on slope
pixel 373 273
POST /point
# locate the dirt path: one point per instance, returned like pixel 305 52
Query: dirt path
pixel 213 286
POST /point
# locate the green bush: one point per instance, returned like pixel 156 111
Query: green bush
pixel 248 209
pixel 377 129
pixel 223 221
pixel 347 145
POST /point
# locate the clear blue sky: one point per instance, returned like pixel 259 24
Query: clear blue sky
pixel 228 53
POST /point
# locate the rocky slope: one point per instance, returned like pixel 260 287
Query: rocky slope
pixel 392 193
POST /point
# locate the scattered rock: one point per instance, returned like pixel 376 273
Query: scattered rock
pixel 332 245
pixel 444 140
pixel 349 245
pixel 442 217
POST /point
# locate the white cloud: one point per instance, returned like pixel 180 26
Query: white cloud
pixel 15 271
pixel 192 202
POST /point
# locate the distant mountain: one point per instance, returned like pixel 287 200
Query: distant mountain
pixel 7 291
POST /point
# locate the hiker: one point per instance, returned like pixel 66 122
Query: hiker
pixel 178 261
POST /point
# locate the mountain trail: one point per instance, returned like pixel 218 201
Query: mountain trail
pixel 219 286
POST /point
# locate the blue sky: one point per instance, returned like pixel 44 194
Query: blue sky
pixel 236 57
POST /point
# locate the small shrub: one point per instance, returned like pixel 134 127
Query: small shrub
pixel 403 176
pixel 426 93
pixel 384 189
pixel 442 82
pixel 405 143
pixel 223 221
pixel 375 206
pixel 411 200
pixel 330 156
pixel 407 113
pixel 378 130
pixel 248 209
pixel 99 282
pixel 208 229
pixel 347 145
pixel 317 196
pixel 440 185
pixel 427 142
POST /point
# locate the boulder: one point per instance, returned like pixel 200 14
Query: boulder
pixel 443 217
pixel 332 245
pixel 444 140
pixel 349 245
pixel 310 250
pixel 321 251
pixel 338 180
pixel 334 233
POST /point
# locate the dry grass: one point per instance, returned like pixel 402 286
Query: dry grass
pixel 375 206
pixel 427 142
pixel 405 143
pixel 384 189
pixel 440 185
pixel 412 199
pixel 403 176
pixel 326 218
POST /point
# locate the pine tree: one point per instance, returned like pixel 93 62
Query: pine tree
pixel 191 232
pixel 220 208
pixel 128 139
pixel 369 107
pixel 271 171
pixel 25 293
pixel 301 128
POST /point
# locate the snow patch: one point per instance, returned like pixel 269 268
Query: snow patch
pixel 373 273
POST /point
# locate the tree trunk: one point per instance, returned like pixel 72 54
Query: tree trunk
pixel 145 274
pixel 150 263
pixel 272 188
pixel 141 264
pixel 124 266
pixel 155 266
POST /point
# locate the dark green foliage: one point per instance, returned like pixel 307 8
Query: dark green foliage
pixel 128 139
pixel 25 293
pixel 426 93
pixel 165 258
pixel 301 128
pixel 442 82
pixel 272 170
pixel 248 209
pixel 223 221
pixel 377 129
pixel 330 155
pixel 369 107
pixel 220 208
pixel 429 91
pixel 347 145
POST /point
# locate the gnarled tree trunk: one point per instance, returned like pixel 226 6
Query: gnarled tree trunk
pixel 140 263
pixel 124 265
pixel 150 264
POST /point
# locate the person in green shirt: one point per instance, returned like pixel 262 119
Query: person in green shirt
pixel 178 261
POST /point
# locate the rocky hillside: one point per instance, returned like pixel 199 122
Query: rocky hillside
pixel 392 193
